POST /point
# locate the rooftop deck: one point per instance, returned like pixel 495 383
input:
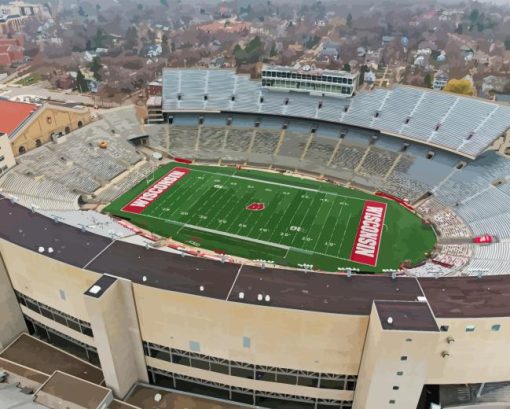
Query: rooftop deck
pixel 37 355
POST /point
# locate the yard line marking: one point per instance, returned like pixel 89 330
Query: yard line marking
pixel 273 214
pixel 304 217
pixel 179 190
pixel 336 223
pixel 221 233
pixel 268 182
pixel 327 217
pixel 318 211
pixel 234 283
pixel 292 219
pixel 345 231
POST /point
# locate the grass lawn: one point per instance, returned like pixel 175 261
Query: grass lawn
pixel 273 217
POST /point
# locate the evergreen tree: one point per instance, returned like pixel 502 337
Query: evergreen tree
pixel 349 20
pixel 131 37
pixel 81 82
pixel 427 80
pixel 95 67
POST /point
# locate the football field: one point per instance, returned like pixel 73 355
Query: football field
pixel 276 218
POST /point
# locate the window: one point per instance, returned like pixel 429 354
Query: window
pixel 392 401
pixel 430 155
pixel 403 358
pixel 409 340
pixel 194 346
pixel 470 328
pixel 2 157
pixel 246 342
pixel 444 328
pixel 400 373
pixel 62 294
pixel 38 143
pixel 396 388
pixel 496 327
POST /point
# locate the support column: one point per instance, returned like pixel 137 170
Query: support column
pixel 111 308
pixel 400 342
pixel 11 317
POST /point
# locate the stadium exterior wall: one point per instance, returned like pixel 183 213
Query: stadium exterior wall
pixel 287 338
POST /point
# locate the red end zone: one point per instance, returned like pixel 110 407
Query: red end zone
pixel 368 238
pixel 153 192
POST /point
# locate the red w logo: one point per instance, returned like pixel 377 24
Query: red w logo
pixel 256 207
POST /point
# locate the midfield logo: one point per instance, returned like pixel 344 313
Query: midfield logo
pixel 256 207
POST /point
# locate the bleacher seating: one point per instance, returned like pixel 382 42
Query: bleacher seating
pixel 463 124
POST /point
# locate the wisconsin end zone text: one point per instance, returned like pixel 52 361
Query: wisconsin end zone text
pixel 152 193
pixel 368 239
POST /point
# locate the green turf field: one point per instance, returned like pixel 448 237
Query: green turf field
pixel 304 222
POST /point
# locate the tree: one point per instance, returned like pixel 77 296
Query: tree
pixel 364 69
pixel 272 52
pixel 349 20
pixel 98 7
pixel 140 7
pixel 462 86
pixel 99 39
pixel 81 82
pixel 459 29
pixel 507 43
pixel 81 12
pixel 165 50
pixel 474 15
pixel 164 2
pixel 427 80
pixel 95 67
pixel 131 37
pixel 347 67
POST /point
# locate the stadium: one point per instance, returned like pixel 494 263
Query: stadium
pixel 285 243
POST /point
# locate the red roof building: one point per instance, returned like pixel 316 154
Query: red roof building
pixel 11 50
pixel 13 114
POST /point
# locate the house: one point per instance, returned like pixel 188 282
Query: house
pixel 387 39
pixel 11 50
pixel 154 51
pixel 330 52
pixel 440 80
pixel 495 84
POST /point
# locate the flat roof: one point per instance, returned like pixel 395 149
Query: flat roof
pixel 468 297
pixel 117 404
pixel 331 293
pixel 73 390
pixel 12 114
pixel 166 270
pixel 143 396
pixel 100 286
pixel 23 371
pixel 32 231
pixel 40 356
pixel 405 316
